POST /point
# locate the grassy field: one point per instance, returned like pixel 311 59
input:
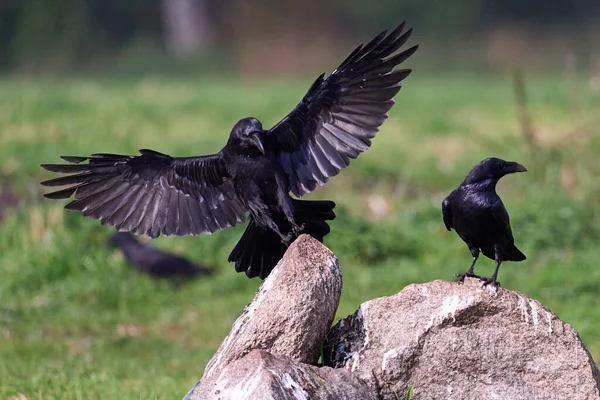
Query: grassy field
pixel 77 323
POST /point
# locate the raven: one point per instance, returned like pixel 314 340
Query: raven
pixel 153 261
pixel 156 194
pixel 477 214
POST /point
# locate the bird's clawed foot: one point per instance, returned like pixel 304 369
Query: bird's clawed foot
pixel 490 281
pixel 297 230
pixel 287 240
pixel 461 277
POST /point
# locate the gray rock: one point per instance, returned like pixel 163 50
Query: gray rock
pixel 262 376
pixel 463 342
pixel 451 341
pixel 291 312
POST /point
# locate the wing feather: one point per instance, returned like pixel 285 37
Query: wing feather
pixel 340 113
pixel 502 219
pixel 447 212
pixel 150 194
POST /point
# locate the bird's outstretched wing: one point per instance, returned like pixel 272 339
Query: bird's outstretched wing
pixel 150 194
pixel 447 213
pixel 340 113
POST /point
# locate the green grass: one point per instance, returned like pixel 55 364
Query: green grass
pixel 76 322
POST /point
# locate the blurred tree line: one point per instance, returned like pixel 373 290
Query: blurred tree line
pixel 63 35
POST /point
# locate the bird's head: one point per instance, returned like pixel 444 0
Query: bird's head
pixel 247 134
pixel 118 238
pixel 492 169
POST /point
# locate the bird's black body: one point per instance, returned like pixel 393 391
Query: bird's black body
pixel 153 261
pixel 262 185
pixel 476 212
pixel 259 182
pixel 255 172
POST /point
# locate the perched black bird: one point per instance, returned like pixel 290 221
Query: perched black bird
pixel 153 261
pixel 157 194
pixel 477 214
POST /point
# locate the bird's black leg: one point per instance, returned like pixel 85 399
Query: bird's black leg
pixel 470 273
pixel 493 280
pixel 265 216
pixel 288 211
pixel 285 239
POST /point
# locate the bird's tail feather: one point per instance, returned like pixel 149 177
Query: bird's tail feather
pixel 314 213
pixel 259 250
pixel 511 253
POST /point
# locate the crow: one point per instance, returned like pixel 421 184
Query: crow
pixel 479 217
pixel 154 193
pixel 153 261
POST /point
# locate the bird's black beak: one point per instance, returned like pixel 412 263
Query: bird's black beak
pixel 511 167
pixel 256 140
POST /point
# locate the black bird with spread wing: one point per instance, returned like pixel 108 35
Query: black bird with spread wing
pixel 477 214
pixel 157 194
pixel 153 261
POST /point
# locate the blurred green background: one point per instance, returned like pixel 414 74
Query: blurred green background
pixel 512 79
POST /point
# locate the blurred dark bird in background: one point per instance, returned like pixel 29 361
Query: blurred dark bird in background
pixel 477 214
pixel 9 199
pixel 153 261
pixel 157 194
